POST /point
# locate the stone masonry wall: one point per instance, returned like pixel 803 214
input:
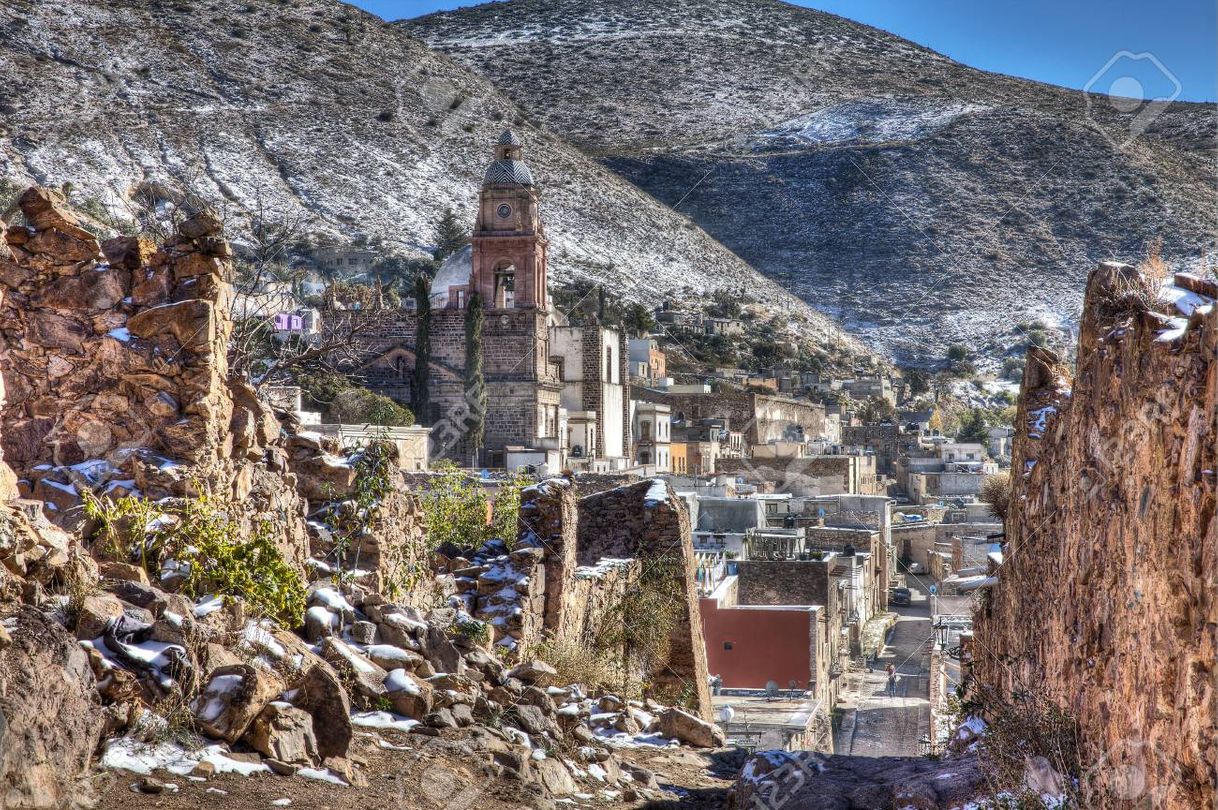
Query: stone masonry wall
pixel 646 521
pixel 548 519
pixel 115 369
pixel 593 553
pixel 1107 601
pixel 786 582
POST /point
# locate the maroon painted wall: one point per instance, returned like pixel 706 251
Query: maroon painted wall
pixel 766 645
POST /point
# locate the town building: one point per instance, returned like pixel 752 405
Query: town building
pixel 944 470
pixel 648 363
pixel 679 457
pixel 652 427
pixel 726 327
pixel 553 391
pixel 594 382
pixel 344 261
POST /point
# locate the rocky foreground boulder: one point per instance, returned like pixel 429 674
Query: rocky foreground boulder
pixel 806 780
pixel 51 717
pixel 683 726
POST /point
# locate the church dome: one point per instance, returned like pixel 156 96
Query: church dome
pixel 508 173
pixel 508 138
pixel 454 272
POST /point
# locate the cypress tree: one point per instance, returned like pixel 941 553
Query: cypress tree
pixel 451 236
pixel 422 350
pixel 475 384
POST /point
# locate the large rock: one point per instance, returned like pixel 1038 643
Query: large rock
pixel 233 697
pixel 390 657
pixel 442 652
pixel 45 209
pixel 691 730
pixel 409 696
pixel 535 672
pixel 50 718
pixel 365 678
pixel 284 732
pixel 532 719
pixel 94 612
pixel 554 777
pixel 192 323
pixel 321 694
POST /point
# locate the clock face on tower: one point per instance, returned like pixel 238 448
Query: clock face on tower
pixel 504 211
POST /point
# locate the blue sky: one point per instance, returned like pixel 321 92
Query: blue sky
pixel 1075 43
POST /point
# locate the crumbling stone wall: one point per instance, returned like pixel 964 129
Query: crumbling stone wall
pixel 114 347
pixel 646 521
pixel 595 550
pixel 1105 601
pixel 116 374
pixel 548 519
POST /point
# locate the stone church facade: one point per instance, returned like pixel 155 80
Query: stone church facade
pixel 529 399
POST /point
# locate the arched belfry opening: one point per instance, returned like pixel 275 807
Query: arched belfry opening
pixel 505 286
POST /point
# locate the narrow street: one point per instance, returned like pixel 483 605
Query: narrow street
pixel 881 725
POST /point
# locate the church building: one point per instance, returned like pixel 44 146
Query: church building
pixel 557 395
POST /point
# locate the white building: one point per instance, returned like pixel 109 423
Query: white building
pixel 652 429
pixel 594 387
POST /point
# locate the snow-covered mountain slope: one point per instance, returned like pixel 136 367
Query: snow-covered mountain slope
pixel 922 201
pixel 314 110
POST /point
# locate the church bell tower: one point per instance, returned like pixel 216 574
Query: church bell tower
pixel 509 244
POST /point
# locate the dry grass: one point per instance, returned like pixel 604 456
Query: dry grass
pixel 1031 748
pixel 1153 267
pixel 996 491
pixel 579 663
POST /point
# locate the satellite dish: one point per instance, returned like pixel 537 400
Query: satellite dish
pixel 726 714
pixel 771 689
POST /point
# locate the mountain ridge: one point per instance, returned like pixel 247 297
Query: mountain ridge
pixel 859 170
pixel 314 112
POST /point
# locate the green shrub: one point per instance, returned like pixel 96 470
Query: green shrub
pixel 458 510
pixel 207 539
pixel 359 406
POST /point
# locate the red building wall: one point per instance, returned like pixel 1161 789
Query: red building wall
pixel 767 644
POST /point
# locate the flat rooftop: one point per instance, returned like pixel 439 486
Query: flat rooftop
pixel 756 711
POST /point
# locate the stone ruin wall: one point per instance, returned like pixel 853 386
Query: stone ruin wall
pixel 630 523
pixel 594 550
pixel 1107 601
pixel 116 376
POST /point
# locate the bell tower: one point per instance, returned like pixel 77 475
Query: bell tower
pixel 509 244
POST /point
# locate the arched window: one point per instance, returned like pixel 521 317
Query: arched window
pixel 505 286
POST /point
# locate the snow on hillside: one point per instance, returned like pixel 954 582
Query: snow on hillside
pixel 918 200
pixel 870 121
pixel 318 113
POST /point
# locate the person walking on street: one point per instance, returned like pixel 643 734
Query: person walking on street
pixel 892 679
